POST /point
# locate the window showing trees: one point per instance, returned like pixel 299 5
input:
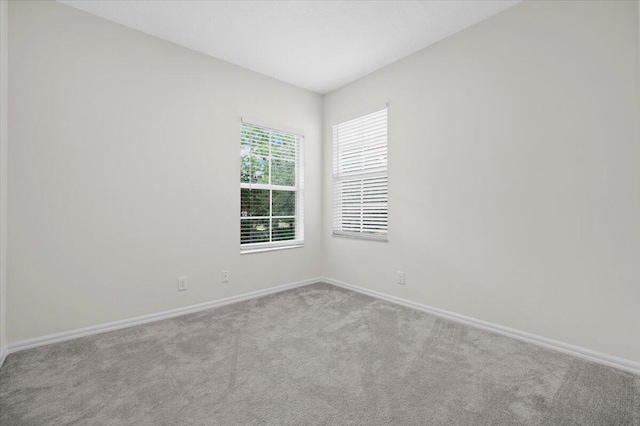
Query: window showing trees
pixel 270 188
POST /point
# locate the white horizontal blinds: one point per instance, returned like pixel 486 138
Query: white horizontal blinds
pixel 270 187
pixel 360 192
pixel 299 158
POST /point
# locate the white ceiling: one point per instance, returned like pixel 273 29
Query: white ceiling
pixel 317 45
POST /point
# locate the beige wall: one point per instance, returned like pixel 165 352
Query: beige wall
pixel 513 175
pixel 124 153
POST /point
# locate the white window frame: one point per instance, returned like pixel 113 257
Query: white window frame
pixel 298 188
pixel 372 175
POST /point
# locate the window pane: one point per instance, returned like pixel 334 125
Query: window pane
pixel 254 154
pixel 254 169
pixel 257 138
pixel 254 231
pixel 283 172
pixel 245 141
pixel 269 158
pixel 246 167
pixel 283 229
pixel 284 203
pixel 254 202
pixel 283 146
pixel 260 167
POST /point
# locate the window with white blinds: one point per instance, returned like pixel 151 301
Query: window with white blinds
pixel 360 176
pixel 271 177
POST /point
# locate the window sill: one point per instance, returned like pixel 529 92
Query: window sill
pixel 382 239
pixel 264 249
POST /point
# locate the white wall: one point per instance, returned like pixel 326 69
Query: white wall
pixel 513 175
pixel 4 37
pixel 124 154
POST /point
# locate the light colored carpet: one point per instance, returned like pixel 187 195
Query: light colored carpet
pixel 317 355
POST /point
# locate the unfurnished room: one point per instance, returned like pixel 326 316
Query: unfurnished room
pixel 320 212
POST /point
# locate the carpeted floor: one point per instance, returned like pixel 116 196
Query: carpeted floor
pixel 318 355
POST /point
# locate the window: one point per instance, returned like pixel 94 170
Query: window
pixel 270 188
pixel 360 176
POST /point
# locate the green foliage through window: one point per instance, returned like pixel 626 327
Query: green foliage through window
pixel 268 185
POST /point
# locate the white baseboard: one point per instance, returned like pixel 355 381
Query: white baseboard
pixel 143 319
pixel 588 354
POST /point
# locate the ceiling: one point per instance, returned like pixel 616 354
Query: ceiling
pixel 317 45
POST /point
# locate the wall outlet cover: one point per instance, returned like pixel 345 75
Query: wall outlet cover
pixel 182 283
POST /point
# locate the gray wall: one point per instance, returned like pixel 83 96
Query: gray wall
pixel 125 173
pixel 513 175
pixel 4 33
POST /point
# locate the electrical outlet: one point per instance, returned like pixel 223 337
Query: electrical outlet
pixel 400 277
pixel 225 276
pixel 182 283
